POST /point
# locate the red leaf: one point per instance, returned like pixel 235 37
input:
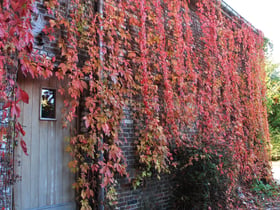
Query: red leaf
pixel 52 38
pixel 20 129
pixel 29 47
pixel 106 129
pixel 12 82
pixel 23 146
pixel 22 95
pixel 15 110
pixel 7 105
pixel 52 23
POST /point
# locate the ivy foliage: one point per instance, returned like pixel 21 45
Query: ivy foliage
pixel 192 76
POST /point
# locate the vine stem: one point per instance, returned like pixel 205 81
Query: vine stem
pixel 101 191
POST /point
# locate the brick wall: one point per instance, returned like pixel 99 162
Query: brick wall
pixel 153 193
pixel 6 168
pixel 7 141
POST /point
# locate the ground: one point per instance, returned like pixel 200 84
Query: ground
pixel 274 202
pixel 276 171
pixel 266 199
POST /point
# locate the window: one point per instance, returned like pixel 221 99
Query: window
pixel 48 104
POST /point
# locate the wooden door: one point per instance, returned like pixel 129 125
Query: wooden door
pixel 45 178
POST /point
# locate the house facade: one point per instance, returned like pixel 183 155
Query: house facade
pixel 143 78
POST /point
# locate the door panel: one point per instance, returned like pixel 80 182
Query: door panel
pixel 45 178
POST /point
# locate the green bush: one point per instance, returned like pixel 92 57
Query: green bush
pixel 273 106
pixel 264 190
pixel 275 142
pixel 200 184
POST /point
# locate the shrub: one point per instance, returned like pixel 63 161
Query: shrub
pixel 275 141
pixel 200 183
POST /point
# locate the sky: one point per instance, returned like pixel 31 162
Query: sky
pixel 264 15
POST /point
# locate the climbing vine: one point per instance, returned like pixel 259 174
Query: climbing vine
pixel 191 74
pixel 17 54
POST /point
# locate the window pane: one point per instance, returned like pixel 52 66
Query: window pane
pixel 47 103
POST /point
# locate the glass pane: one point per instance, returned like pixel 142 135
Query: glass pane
pixel 47 103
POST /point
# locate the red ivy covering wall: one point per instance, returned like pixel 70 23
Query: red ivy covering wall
pixel 191 73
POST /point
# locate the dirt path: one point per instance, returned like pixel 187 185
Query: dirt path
pixel 276 174
pixel 276 170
